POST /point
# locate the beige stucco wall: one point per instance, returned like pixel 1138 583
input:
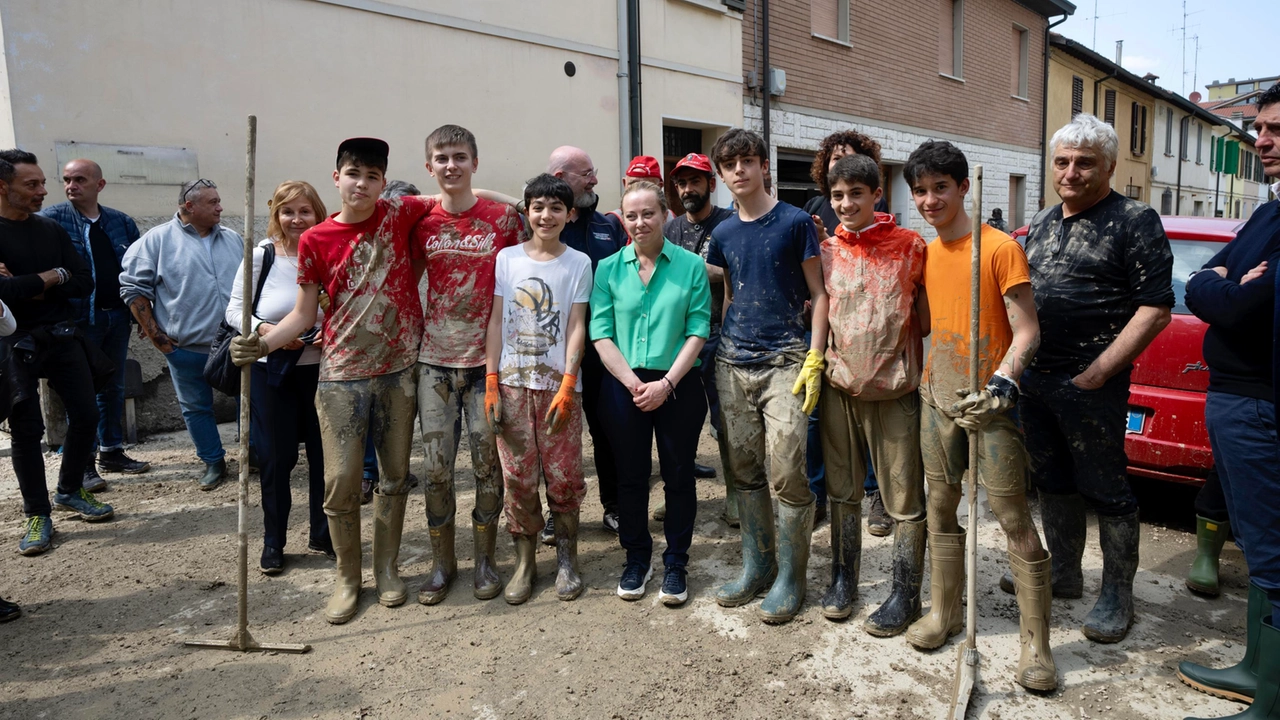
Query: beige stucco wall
pixel 186 73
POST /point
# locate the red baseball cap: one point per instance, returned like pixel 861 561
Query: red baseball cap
pixel 643 166
pixel 694 161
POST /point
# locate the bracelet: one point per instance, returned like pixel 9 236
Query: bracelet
pixel 63 275
pixel 671 391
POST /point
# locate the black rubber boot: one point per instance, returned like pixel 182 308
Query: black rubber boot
pixel 846 560
pixel 1063 521
pixel 1111 616
pixel 1240 681
pixel 903 606
pixel 1266 702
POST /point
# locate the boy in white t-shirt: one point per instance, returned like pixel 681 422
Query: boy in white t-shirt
pixel 534 344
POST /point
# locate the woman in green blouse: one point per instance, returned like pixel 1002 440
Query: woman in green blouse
pixel 650 315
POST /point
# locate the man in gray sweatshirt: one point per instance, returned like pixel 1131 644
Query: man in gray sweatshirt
pixel 176 280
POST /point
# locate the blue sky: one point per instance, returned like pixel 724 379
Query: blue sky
pixel 1232 41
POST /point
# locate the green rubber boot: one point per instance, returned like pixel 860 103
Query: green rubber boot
pixel 1210 536
pixel 786 597
pixel 759 556
pixel 1266 702
pixel 1240 681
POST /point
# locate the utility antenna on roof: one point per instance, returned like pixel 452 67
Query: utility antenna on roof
pixel 1184 29
pixel 1095 17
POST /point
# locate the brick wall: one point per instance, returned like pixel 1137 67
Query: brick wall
pixel 889 71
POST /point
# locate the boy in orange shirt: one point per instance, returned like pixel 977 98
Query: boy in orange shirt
pixel 1009 335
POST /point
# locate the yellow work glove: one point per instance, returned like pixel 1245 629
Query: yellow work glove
pixel 561 404
pixel 810 380
pixel 492 401
pixel 248 348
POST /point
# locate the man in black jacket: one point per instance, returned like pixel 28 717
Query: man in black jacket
pixel 40 271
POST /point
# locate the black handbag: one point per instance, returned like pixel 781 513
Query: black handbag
pixel 219 371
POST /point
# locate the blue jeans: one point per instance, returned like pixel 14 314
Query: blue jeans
pixel 195 397
pixel 814 465
pixel 370 457
pixel 1242 432
pixel 110 331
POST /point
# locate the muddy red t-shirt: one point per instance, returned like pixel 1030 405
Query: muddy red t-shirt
pixel 460 250
pixel 374 322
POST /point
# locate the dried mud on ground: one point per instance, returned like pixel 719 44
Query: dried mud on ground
pixel 107 609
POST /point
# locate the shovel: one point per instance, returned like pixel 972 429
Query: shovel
pixel 968 657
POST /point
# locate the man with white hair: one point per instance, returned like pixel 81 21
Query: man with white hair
pixel 1101 272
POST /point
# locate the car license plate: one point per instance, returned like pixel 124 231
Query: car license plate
pixel 1136 420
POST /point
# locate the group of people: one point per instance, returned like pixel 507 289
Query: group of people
pixel 522 316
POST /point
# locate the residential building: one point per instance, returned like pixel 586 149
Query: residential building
pixel 157 91
pixel 1231 88
pixel 1239 109
pixel 968 71
pixel 1188 177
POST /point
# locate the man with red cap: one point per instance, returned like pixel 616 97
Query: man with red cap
pixel 642 168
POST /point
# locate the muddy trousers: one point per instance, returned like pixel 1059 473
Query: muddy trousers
pixel 445 397
pixel 676 426
pixel 529 452
pixel 856 433
pixel 280 417
pixel 347 410
pixel 764 430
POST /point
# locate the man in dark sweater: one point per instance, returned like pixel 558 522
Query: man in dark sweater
pixel 40 272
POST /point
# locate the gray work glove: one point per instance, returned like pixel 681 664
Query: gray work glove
pixel 248 348
pixel 975 410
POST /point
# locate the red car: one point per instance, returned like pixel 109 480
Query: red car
pixel 1166 437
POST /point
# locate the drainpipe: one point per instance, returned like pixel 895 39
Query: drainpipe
pixel 633 61
pixel 1044 111
pixel 624 90
pixel 1183 125
pixel 764 76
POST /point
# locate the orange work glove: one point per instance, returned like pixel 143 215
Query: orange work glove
pixel 492 401
pixel 562 404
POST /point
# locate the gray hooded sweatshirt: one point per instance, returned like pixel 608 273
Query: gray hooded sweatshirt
pixel 186 277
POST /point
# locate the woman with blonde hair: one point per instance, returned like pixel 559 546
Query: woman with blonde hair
pixel 283 384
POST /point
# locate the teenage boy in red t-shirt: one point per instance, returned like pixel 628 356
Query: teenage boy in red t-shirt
pixel 459 240
pixel 372 332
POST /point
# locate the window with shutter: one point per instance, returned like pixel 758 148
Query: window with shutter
pixel 1142 146
pixel 1134 134
pixel 1168 131
pixel 1199 144
pixel 1077 96
pixel 1109 108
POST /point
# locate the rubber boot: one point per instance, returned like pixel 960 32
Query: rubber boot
pixel 846 560
pixel 903 606
pixel 568 580
pixel 1063 521
pixel 520 587
pixel 1266 701
pixel 486 582
pixel 759 558
pixel 344 530
pixel 388 523
pixel 946 586
pixel 444 565
pixel 1111 616
pixel 731 503
pixel 1210 536
pixel 1240 681
pixel 1036 670
pixel 786 597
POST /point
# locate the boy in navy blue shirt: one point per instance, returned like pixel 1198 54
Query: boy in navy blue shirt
pixel 771 260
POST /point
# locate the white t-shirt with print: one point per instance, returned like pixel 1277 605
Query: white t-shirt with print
pixel 536 299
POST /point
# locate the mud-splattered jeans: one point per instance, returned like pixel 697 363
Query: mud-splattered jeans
pixel 1075 439
pixel 445 395
pixel 761 420
pixel 891 429
pixel 344 410
pixel 944 450
pixel 528 452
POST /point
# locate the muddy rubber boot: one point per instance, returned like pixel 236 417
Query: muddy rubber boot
pixel 1036 670
pixel 786 597
pixel 486 582
pixel 903 606
pixel 1266 701
pixel 759 555
pixel 344 530
pixel 732 503
pixel 1210 536
pixel 946 586
pixel 846 560
pixel 444 565
pixel 1111 616
pixel 520 586
pixel 388 524
pixel 568 580
pixel 1240 681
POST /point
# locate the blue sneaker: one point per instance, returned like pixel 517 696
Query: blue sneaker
pixel 674 589
pixel 36 532
pixel 83 504
pixel 634 577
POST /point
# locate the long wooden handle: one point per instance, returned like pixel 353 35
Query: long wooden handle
pixel 975 318
pixel 246 327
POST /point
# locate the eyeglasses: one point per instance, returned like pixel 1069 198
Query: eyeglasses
pixel 590 173
pixel 198 184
